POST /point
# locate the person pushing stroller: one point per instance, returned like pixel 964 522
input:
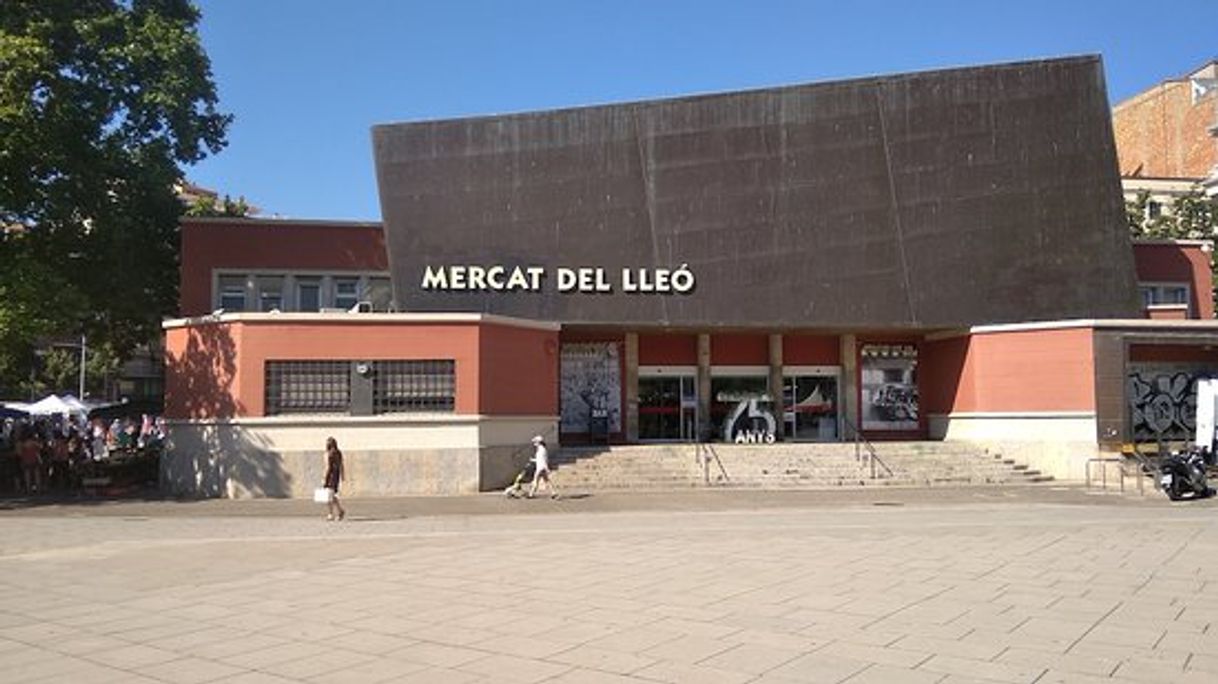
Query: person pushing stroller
pixel 540 463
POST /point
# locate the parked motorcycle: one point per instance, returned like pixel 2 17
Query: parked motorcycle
pixel 1183 472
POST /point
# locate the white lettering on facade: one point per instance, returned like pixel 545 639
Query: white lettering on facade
pixel 583 279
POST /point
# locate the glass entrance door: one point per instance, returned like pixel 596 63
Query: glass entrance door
pixel 811 407
pixel 667 408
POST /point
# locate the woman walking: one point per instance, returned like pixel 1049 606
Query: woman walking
pixel 334 475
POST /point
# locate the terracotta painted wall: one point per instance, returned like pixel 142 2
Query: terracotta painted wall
pixel 739 349
pixel 940 366
pixel 237 351
pixel 811 350
pixel 1168 263
pixel 202 376
pixel 215 244
pixel 668 350
pixel 519 371
pixel 1034 370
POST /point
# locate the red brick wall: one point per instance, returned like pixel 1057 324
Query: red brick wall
pixel 1162 134
pixel 209 244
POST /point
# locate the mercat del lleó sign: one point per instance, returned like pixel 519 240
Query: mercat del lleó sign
pixel 498 278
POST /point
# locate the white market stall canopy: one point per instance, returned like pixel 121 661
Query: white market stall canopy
pixel 56 405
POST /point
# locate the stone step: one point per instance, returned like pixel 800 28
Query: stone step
pixel 787 465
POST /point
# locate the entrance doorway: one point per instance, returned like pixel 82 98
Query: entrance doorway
pixel 668 407
pixel 810 397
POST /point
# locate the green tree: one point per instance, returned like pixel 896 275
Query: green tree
pixel 227 207
pixel 1192 216
pixel 101 104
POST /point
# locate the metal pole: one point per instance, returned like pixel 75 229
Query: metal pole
pixel 81 394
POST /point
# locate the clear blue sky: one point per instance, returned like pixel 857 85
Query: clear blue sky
pixel 307 79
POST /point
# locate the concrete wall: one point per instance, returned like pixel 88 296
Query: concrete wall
pixel 383 456
pixel 1055 443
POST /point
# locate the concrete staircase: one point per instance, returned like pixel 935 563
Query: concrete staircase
pixel 785 466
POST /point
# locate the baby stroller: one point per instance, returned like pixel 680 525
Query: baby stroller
pixel 516 490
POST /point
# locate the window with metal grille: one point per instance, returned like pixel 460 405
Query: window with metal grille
pixel 401 386
pixel 308 387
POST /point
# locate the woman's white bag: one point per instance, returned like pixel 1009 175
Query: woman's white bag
pixel 323 495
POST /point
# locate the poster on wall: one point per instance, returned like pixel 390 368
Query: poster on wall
pixel 889 386
pixel 591 380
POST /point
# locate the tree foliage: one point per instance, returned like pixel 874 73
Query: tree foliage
pixel 227 207
pixel 101 103
pixel 1192 216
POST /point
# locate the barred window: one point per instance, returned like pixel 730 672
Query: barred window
pixel 413 386
pixel 308 387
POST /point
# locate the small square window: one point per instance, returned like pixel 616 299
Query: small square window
pixel 346 293
pixel 270 293
pixel 308 294
pixel 232 293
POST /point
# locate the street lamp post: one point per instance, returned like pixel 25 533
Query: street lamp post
pixel 81 394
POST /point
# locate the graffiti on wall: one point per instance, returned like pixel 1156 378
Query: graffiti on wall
pixel 591 380
pixel 1163 402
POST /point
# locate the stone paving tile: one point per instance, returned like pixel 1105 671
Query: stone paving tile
pixel 591 658
pixel 632 640
pixel 371 672
pixel 1203 662
pixel 438 655
pixel 257 678
pixel 751 658
pixel 372 643
pixel 237 643
pixel 682 673
pixel 262 657
pixel 515 669
pixel 63 668
pixel 1077 663
pixel 966 667
pixel 819 667
pixel 972 650
pixel 324 661
pixel 131 657
pixel 1124 636
pixel 190 671
pixel 876 654
pixel 687 649
pixel 964 593
pixel 887 674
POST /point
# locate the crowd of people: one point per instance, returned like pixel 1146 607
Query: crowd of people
pixel 43 454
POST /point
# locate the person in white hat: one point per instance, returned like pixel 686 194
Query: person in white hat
pixel 541 468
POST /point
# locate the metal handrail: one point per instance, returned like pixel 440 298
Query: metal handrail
pixel 702 449
pixel 1129 454
pixel 861 441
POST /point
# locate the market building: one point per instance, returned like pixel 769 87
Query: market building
pixel 928 256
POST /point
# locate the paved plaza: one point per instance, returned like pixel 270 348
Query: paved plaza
pixel 951 586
